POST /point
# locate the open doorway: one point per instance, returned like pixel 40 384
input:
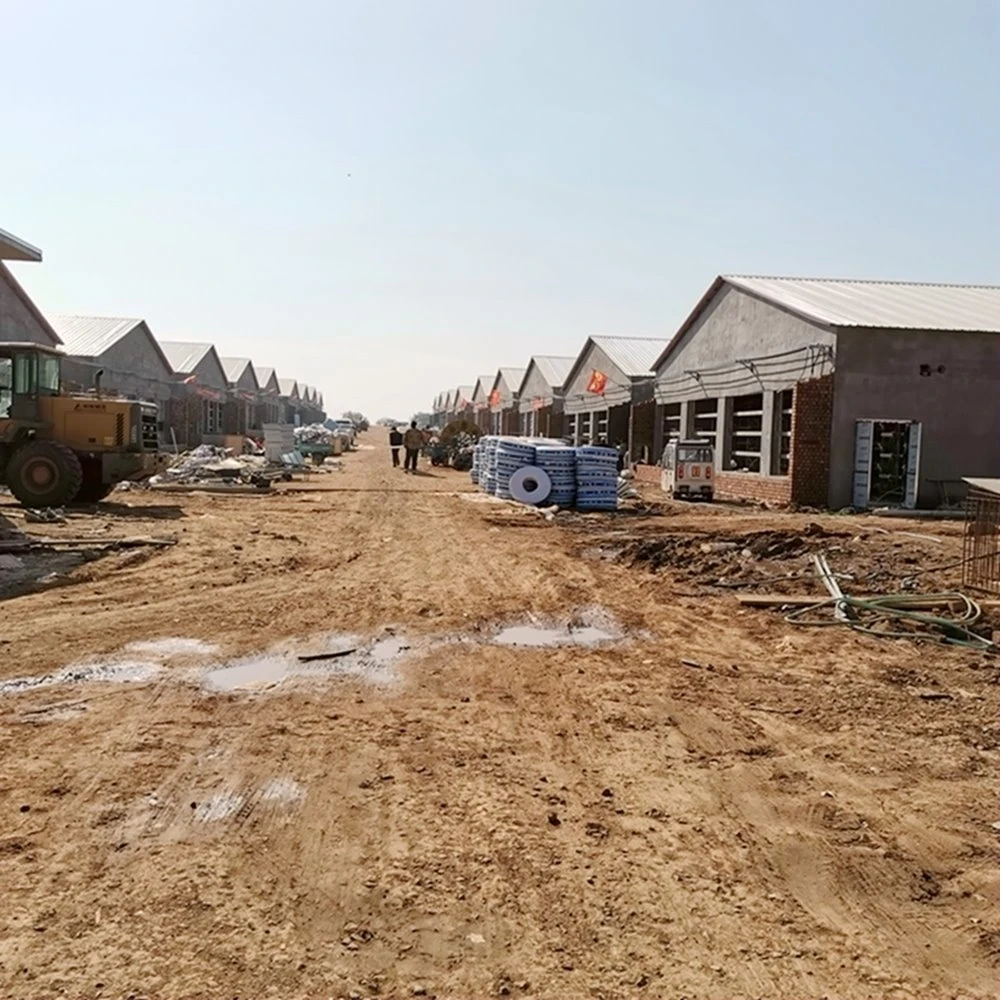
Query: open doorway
pixel 886 463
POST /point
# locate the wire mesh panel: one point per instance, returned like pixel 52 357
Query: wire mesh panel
pixel 981 546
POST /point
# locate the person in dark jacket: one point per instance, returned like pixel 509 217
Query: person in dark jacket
pixel 395 443
pixel 413 441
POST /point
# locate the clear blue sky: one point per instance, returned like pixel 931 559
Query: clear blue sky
pixel 388 198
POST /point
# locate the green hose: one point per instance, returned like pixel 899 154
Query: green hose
pixel 879 612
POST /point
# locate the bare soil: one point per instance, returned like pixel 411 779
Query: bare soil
pixel 807 813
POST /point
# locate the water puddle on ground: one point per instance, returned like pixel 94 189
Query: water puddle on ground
pixel 588 627
pixel 172 646
pixel 125 672
pixel 337 656
pixel 540 635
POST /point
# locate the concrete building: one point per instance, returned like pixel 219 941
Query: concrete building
pixel 200 391
pixel 481 402
pixel 609 394
pixel 834 393
pixel 462 407
pixel 131 361
pixel 290 400
pixel 20 318
pixel 504 415
pixel 540 396
pixel 269 408
pixel 239 412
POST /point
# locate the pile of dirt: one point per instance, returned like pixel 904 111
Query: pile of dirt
pixel 711 556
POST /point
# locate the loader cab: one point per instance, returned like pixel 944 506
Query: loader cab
pixel 28 372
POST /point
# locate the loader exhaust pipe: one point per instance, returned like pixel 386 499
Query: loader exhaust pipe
pixel 98 375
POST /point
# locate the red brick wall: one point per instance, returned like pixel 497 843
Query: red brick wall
pixel 753 486
pixel 648 474
pixel 809 465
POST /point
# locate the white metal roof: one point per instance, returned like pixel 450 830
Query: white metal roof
pixel 463 394
pixel 634 356
pixel 483 386
pixel 881 304
pixel 986 485
pixel 555 370
pixel 184 357
pixel 235 367
pixel 289 387
pixel 512 376
pixel 14 248
pixel 89 336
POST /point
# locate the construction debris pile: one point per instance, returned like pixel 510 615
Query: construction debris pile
pixel 546 472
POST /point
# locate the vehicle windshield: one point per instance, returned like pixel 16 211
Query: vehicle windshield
pixel 48 375
pixel 6 386
pixel 694 455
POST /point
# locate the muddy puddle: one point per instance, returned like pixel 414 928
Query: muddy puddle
pixel 320 659
pixel 340 656
pixel 123 672
pixel 588 627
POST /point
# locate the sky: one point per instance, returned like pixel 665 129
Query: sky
pixel 386 199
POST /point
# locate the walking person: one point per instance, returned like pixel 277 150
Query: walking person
pixel 413 441
pixel 395 443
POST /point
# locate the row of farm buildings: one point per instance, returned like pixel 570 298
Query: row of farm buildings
pixel 202 397
pixel 817 392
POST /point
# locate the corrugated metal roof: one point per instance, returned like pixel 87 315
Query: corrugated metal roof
pixel 464 394
pixel 89 336
pixel 483 386
pixel 14 248
pixel 986 485
pixel 264 376
pixel 288 386
pixel 184 357
pixel 554 370
pixel 881 304
pixel 635 356
pixel 513 377
pixel 235 367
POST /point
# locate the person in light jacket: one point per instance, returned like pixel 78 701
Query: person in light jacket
pixel 413 441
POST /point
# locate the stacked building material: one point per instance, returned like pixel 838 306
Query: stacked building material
pixel 488 473
pixel 596 478
pixel 511 454
pixel 559 462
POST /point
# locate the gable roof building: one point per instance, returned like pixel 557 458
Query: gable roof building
pixel 132 361
pixel 799 382
pixel 20 318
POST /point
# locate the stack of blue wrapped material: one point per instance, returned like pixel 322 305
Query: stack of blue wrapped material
pixel 511 455
pixel 488 472
pixel 596 478
pixel 559 461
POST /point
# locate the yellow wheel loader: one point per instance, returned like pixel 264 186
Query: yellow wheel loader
pixel 57 449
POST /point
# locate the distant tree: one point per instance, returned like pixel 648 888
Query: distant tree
pixel 423 419
pixel 358 419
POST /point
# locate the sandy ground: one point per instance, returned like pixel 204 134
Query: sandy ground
pixel 809 813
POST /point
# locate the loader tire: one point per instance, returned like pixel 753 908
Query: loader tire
pixel 44 474
pixel 92 488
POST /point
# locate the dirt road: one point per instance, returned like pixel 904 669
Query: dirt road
pixel 807 813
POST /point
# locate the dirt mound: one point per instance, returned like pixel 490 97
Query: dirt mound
pixel 712 555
